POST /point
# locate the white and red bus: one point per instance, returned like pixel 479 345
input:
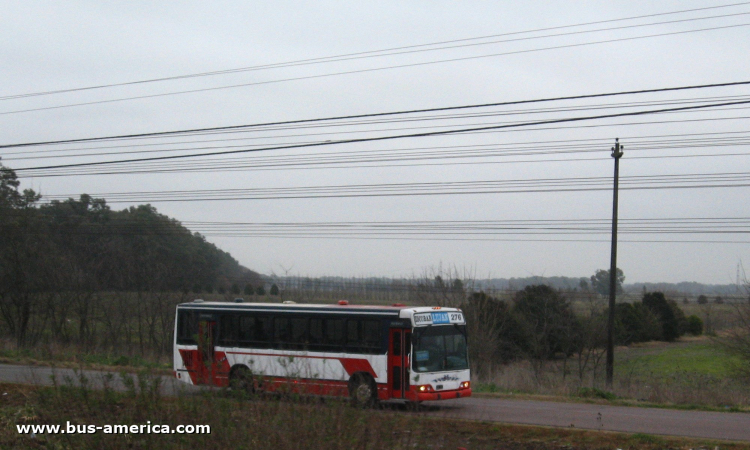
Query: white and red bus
pixel 370 353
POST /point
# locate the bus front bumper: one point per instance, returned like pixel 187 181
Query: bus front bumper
pixel 443 395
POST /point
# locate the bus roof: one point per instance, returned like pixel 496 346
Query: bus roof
pixel 398 310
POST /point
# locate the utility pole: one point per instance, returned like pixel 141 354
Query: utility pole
pixel 616 154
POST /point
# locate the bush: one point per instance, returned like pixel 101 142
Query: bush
pixel 636 323
pixel 702 299
pixel 669 314
pixel 546 323
pixel 694 325
pixel 489 322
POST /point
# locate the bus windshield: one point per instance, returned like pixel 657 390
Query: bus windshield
pixel 440 348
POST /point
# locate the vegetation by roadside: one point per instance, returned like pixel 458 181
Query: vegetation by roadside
pixel 69 358
pixel 282 423
pixel 692 373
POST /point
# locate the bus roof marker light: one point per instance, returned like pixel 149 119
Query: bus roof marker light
pixel 198 300
pixel 343 302
pixel 398 304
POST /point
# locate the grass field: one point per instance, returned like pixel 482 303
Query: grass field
pixel 238 421
pixel 699 356
pixel 692 373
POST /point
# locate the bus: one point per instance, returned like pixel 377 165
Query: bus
pixel 368 353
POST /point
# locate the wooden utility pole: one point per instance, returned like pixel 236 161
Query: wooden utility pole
pixel 616 154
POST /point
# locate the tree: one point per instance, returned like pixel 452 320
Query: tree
pixel 702 299
pixel 736 340
pixel 546 322
pixel 260 290
pixel 718 300
pixel 669 315
pixel 487 319
pixel 10 198
pixel 274 290
pixel 600 281
pixel 249 290
pixel 235 289
pixel 636 323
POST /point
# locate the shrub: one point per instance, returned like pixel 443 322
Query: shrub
pixel 668 313
pixel 546 323
pixel 694 325
pixel 636 323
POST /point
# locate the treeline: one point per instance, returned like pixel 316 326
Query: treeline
pixel 78 248
pixel 539 324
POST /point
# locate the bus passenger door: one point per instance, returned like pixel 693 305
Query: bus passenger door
pixel 206 341
pixel 398 362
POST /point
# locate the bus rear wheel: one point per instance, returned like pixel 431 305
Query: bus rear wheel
pixel 362 391
pixel 241 379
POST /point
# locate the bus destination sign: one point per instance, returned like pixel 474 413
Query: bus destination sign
pixel 438 318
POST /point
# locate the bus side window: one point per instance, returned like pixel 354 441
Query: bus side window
pixel 263 332
pixel 246 329
pixel 353 338
pixel 228 330
pixel 334 333
pixel 187 328
pixel 371 336
pixel 316 335
pixel 298 333
pixel 281 332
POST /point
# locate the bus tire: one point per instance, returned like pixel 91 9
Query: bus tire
pixel 241 379
pixel 362 390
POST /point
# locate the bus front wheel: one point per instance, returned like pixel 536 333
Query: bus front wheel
pixel 362 390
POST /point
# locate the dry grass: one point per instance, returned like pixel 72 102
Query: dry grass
pixel 278 423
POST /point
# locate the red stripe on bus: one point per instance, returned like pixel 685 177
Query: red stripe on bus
pixel 351 365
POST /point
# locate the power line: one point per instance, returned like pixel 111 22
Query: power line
pixel 356 123
pixel 384 138
pixel 576 184
pixel 381 114
pixel 369 70
pixel 357 54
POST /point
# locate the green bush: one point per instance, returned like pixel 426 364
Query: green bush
pixel 636 323
pixel 669 314
pixel 546 322
pixel 694 325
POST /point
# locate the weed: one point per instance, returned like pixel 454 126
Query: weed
pixel 588 392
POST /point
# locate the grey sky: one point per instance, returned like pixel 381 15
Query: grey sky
pixel 54 45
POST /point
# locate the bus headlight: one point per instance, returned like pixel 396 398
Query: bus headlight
pixel 425 388
pixel 465 385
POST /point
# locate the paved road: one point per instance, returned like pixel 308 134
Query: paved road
pixel 712 425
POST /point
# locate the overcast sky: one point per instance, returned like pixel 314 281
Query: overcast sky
pixel 48 46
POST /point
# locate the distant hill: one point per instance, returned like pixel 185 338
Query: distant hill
pixel 84 245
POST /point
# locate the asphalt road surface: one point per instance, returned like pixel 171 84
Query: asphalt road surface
pixel 712 425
